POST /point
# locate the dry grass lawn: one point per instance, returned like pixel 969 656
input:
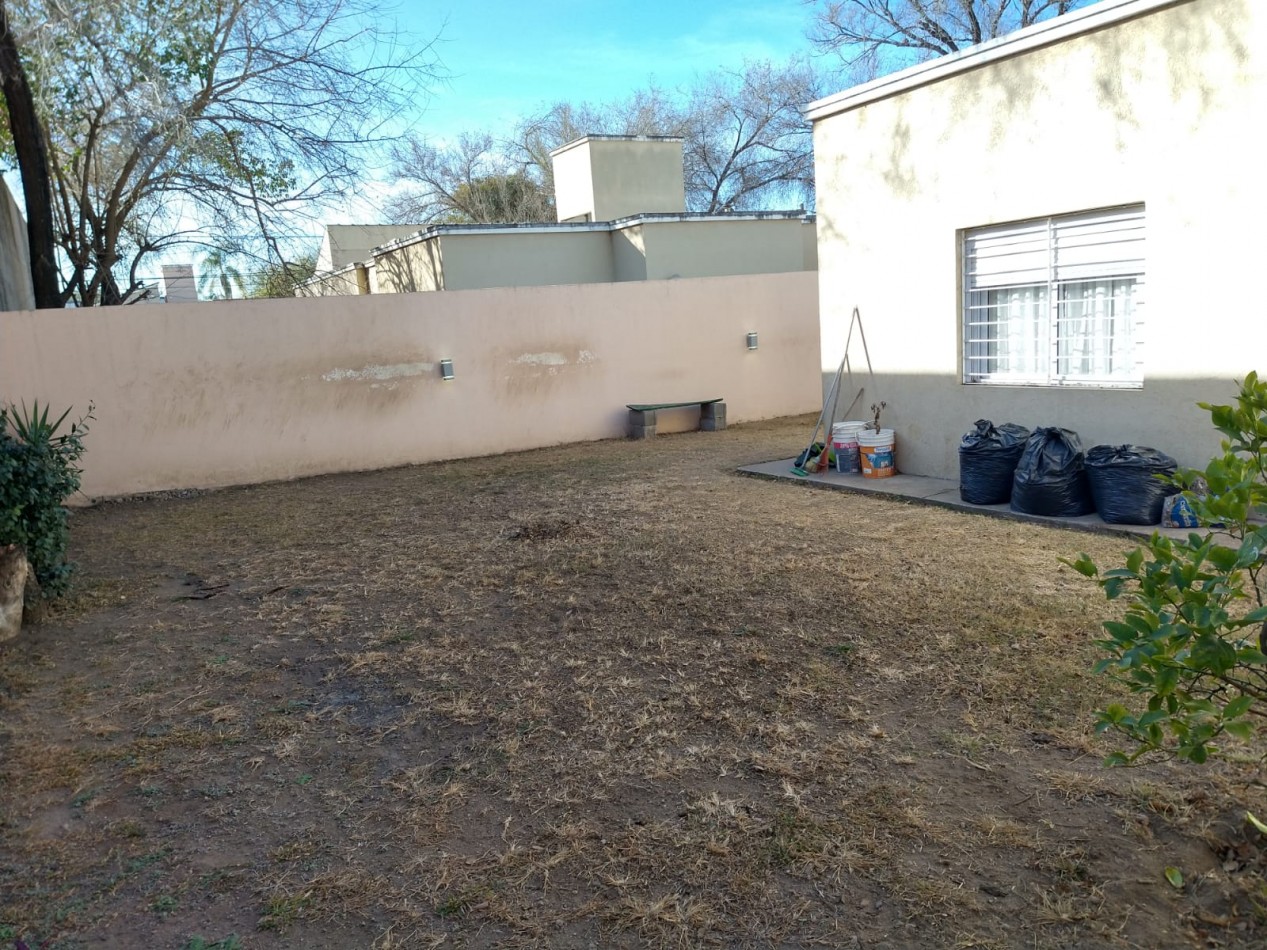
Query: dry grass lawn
pixel 608 695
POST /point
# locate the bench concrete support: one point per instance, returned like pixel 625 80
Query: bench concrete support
pixel 642 423
pixel 712 417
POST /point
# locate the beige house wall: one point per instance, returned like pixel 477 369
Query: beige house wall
pixel 409 268
pixel 345 244
pixel 474 260
pixel 1156 109
pixel 339 283
pixel 629 253
pixel 16 290
pixel 276 389
pixel 692 248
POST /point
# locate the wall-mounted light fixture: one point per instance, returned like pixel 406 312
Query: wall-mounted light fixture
pixel 752 341
pixel 446 369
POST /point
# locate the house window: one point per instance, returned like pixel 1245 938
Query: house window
pixel 1055 302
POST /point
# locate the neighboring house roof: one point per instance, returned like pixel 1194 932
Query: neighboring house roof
pixel 437 230
pixel 593 137
pixel 1086 20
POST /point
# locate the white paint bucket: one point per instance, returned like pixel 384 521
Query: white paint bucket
pixel 876 450
pixel 844 442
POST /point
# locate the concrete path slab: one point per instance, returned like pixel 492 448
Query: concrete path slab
pixel 943 492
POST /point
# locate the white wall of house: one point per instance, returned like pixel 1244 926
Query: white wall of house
pixel 275 389
pixel 1129 101
pixel 16 289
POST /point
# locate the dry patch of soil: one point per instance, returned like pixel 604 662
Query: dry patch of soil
pixel 601 695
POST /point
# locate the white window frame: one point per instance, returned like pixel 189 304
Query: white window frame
pixel 1073 285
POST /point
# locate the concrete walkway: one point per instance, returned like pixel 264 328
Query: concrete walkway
pixel 944 492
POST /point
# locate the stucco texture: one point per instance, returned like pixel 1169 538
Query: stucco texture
pixel 1155 109
pixel 194 396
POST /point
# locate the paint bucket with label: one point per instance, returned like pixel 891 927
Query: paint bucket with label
pixel 876 451
pixel 844 442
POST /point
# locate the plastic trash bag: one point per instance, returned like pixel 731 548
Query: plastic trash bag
pixel 987 461
pixel 1124 483
pixel 1177 510
pixel 1050 478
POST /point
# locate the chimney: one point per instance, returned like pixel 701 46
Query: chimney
pixel 178 282
pixel 605 177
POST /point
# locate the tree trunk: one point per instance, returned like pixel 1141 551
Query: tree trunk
pixel 28 142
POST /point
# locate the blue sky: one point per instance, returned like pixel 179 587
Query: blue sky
pixel 507 58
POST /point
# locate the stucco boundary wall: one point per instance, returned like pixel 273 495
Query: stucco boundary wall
pixel 199 396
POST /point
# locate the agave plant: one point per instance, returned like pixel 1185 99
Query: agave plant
pixel 39 470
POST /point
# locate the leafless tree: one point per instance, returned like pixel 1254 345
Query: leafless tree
pixel 745 143
pixel 470 181
pixel 877 36
pixel 31 150
pixel 169 120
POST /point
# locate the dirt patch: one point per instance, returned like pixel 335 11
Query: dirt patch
pixel 602 695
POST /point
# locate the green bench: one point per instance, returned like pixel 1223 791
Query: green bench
pixel 642 418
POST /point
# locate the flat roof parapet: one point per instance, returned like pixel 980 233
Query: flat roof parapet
pixel 595 137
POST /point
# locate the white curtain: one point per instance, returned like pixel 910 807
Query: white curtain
pixel 1093 329
pixel 1008 334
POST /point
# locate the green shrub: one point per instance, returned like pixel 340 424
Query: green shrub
pixel 1193 642
pixel 38 472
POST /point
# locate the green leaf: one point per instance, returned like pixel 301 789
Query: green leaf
pixel 1174 876
pixel 1134 561
pixel 1083 565
pixel 1242 729
pixel 1237 707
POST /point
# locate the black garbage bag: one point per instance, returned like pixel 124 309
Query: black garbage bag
pixel 987 461
pixel 1050 478
pixel 1124 483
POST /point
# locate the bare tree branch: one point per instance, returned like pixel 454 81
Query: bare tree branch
pixel 239 114
pixel 873 37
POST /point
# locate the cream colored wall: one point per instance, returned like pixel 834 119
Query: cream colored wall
pixel 417 266
pixel 344 244
pixel 693 248
pixel 16 289
pixel 1156 110
pixel 629 253
pixel 599 179
pixel 275 389
pixel 809 244
pixel 636 177
pixel 336 284
pixel 476 260
pixel 573 184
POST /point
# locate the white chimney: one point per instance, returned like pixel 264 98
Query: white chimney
pixel 605 177
pixel 178 281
